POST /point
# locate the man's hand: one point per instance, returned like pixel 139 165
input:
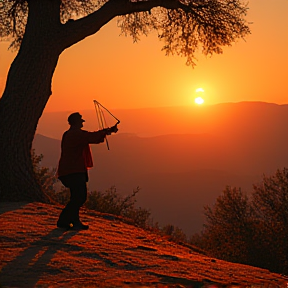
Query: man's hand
pixel 111 130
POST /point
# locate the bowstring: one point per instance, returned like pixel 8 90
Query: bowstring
pixel 99 104
pixel 101 120
pixel 103 123
pixel 98 116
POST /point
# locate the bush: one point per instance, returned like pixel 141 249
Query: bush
pixel 113 203
pixel 45 176
pixel 174 233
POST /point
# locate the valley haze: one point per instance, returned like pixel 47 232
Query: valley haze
pixel 182 158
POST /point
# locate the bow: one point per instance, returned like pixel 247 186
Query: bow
pixel 101 118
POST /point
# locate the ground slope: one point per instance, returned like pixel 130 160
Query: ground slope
pixel 34 253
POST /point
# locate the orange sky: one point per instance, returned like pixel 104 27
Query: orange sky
pixel 120 74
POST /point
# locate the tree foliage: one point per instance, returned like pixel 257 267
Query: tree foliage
pixel 185 27
pixel 250 231
pixel 14 16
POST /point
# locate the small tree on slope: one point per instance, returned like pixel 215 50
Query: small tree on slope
pixel 228 230
pixel 251 232
pixel 42 30
pixel 270 210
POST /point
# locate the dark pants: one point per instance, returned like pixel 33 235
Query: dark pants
pixel 78 195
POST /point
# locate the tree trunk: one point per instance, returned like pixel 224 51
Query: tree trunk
pixel 20 109
pixel 27 91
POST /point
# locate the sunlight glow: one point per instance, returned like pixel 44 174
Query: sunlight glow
pixel 199 90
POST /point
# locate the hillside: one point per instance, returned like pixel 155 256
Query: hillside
pixel 34 253
pixel 189 157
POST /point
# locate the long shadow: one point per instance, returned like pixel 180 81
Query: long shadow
pixel 26 269
pixel 10 206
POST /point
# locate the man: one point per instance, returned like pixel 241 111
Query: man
pixel 72 169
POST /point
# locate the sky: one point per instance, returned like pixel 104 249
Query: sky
pixel 121 74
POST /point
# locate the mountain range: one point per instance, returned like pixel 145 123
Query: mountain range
pixel 182 158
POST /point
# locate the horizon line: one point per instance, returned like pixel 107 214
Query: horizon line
pixel 172 106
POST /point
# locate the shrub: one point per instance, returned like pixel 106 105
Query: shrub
pixel 45 176
pixel 174 233
pixel 113 203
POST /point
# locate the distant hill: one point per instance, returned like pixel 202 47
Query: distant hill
pixel 147 122
pixel 179 173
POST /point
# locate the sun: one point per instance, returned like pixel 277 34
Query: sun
pixel 199 100
pixel 199 93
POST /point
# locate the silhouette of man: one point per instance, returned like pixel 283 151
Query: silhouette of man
pixel 75 159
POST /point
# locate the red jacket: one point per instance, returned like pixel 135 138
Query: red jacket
pixel 75 151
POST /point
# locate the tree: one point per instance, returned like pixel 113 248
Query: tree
pixel 250 231
pixel 227 232
pixel 42 30
pixel 270 210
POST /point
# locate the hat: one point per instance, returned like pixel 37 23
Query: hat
pixel 75 118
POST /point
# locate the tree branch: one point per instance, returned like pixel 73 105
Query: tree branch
pixel 142 6
pixel 75 31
